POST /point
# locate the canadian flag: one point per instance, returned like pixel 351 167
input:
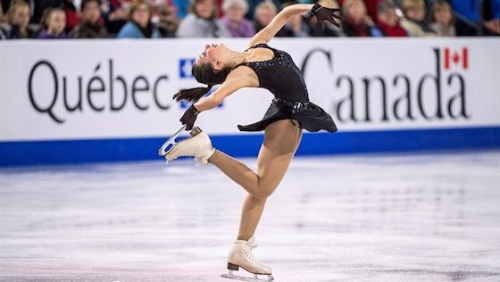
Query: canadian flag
pixel 456 58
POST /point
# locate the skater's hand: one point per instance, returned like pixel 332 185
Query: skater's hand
pixel 189 117
pixel 327 14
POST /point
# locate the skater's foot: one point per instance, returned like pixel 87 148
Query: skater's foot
pixel 198 146
pixel 241 256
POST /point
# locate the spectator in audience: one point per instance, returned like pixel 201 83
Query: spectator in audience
pixel 18 19
pixel 441 18
pixel 202 21
pixel 356 22
pixel 73 18
pixel 492 27
pixel 52 24
pixel 3 20
pixel 329 30
pixel 2 16
pixel 234 18
pixel 168 22
pixel 388 20
pixel 39 7
pixel 371 8
pixel 182 8
pixel 414 19
pixel 92 25
pixel 252 6
pixel 4 5
pixel 468 9
pixel 115 15
pixel 468 21
pixel 264 14
pixel 139 24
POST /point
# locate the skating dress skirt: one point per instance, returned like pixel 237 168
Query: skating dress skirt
pixel 283 78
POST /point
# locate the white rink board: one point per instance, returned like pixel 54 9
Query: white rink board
pixel 340 75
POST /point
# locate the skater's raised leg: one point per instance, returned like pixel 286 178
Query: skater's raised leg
pixel 281 140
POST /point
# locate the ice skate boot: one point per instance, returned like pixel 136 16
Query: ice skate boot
pixel 241 256
pixel 198 146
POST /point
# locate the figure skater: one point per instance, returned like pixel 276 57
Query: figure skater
pixel 290 112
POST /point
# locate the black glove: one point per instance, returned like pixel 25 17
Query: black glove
pixel 327 14
pixel 189 117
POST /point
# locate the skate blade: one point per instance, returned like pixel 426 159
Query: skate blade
pixel 170 143
pixel 244 278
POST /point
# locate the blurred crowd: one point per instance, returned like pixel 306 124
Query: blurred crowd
pixel 62 19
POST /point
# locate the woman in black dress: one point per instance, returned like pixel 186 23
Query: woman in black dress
pixel 290 112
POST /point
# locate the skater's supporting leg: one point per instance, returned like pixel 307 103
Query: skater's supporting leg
pixel 250 216
pixel 281 141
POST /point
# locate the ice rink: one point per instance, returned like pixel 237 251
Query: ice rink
pixel 420 217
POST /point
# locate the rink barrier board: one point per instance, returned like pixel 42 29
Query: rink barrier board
pixel 30 153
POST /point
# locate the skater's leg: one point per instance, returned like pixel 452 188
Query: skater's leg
pixel 281 140
pixel 250 216
pixel 273 161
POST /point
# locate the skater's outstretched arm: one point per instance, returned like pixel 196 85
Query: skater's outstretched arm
pixel 268 32
pixel 237 79
pixel 321 13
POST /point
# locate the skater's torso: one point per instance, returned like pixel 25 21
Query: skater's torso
pixel 280 75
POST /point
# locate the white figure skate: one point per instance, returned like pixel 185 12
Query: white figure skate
pixel 241 256
pixel 198 146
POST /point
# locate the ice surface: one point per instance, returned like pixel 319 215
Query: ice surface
pixel 352 218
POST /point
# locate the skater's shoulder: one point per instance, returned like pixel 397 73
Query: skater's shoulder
pixel 242 76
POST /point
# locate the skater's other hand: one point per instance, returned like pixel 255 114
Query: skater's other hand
pixel 189 117
pixel 327 14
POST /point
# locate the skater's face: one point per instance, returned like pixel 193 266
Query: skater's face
pixel 211 54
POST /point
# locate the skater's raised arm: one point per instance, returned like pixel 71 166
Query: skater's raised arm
pixel 321 13
pixel 268 32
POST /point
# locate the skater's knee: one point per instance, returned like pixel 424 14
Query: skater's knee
pixel 263 192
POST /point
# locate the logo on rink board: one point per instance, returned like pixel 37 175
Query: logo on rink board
pixel 105 89
pixel 436 92
pixel 454 58
pixel 439 93
pixel 185 66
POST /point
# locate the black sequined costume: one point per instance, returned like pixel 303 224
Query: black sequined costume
pixel 283 78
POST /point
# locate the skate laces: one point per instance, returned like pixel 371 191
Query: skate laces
pixel 247 250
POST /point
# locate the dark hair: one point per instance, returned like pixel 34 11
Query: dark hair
pixel 85 2
pixel 204 74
